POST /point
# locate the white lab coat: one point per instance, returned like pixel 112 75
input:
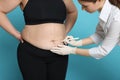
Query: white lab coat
pixel 107 31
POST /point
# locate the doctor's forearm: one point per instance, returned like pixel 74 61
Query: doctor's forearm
pixel 83 52
pixel 87 41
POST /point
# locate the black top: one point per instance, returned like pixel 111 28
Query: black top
pixel 44 11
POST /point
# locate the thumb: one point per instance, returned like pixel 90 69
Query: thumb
pixel 60 46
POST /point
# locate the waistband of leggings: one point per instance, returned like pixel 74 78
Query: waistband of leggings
pixel 32 46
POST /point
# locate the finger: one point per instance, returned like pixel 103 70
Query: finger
pixel 65 43
pixel 70 37
pixel 60 46
pixel 56 51
pixel 55 48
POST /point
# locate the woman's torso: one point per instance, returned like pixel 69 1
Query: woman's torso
pixel 44 26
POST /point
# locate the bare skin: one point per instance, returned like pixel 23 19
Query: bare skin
pixel 43 36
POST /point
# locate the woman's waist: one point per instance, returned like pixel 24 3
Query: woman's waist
pixel 43 43
pixel 44 35
pixel 40 38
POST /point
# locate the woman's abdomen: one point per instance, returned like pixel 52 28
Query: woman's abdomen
pixel 44 36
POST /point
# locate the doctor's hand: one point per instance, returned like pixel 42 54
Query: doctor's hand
pixel 63 50
pixel 72 41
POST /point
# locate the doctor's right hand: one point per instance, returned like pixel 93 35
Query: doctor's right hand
pixel 72 41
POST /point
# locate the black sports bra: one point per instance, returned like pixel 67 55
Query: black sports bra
pixel 44 11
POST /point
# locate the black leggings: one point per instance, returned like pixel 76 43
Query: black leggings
pixel 39 64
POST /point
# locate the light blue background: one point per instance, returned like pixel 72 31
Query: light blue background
pixel 80 67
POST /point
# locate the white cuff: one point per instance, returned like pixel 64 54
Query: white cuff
pixel 95 53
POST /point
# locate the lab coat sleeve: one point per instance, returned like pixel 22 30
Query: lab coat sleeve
pixel 98 36
pixel 111 39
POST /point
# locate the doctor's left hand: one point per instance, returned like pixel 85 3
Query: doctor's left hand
pixel 72 41
pixel 63 50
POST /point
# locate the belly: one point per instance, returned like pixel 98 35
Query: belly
pixel 44 36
